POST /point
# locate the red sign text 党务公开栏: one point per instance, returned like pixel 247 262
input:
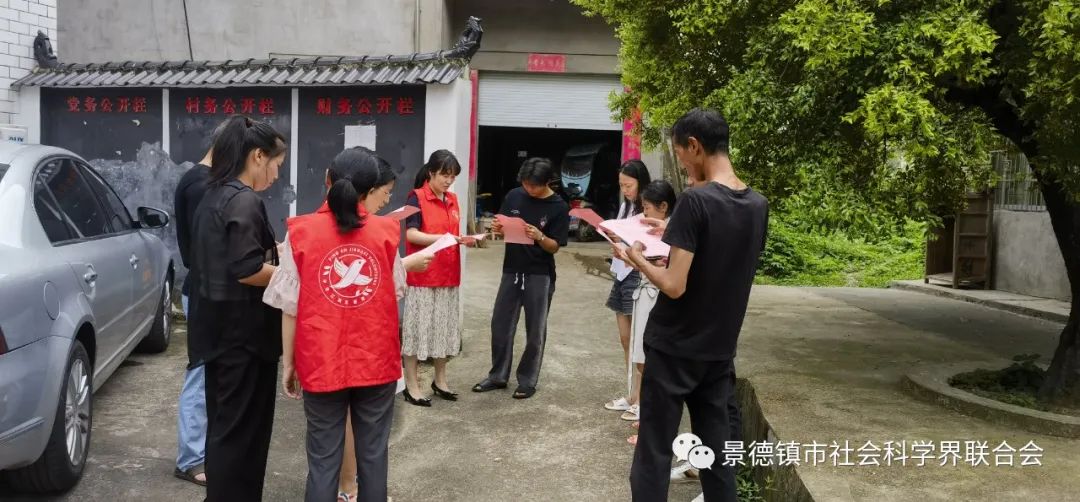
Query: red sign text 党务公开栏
pixel 93 104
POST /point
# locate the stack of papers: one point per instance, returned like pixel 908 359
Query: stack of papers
pixel 632 230
pixel 513 230
pixel 629 231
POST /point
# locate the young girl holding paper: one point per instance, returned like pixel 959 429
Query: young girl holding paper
pixel 633 177
pixel 432 320
pixel 657 200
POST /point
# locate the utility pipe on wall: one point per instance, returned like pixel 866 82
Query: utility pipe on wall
pixel 416 25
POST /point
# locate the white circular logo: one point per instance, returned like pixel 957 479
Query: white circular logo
pixel 349 275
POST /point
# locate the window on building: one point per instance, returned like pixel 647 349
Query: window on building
pixel 1017 190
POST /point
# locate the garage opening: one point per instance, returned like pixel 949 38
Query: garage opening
pixel 562 117
pixel 588 158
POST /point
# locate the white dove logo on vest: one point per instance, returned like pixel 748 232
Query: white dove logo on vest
pixel 349 275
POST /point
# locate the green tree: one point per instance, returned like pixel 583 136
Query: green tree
pixel 891 103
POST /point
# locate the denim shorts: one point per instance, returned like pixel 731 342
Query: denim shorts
pixel 621 299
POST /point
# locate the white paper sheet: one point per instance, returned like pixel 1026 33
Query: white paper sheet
pixel 620 269
pixel 360 135
pixel 403 212
pixel 445 242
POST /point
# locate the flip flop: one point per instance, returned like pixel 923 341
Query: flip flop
pixel 190 474
pixel 487 385
pixel 524 392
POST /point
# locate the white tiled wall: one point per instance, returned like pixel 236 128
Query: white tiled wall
pixel 20 21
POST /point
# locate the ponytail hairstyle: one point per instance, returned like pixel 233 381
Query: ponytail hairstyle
pixel 234 140
pixel 353 173
pixel 636 169
pixel 660 192
pixel 440 162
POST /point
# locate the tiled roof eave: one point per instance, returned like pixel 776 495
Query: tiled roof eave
pixel 274 72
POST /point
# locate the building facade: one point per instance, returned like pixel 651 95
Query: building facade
pixel 20 22
pixel 1027 258
pixel 113 111
pixel 541 81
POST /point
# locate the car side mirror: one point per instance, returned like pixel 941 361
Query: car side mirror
pixel 152 218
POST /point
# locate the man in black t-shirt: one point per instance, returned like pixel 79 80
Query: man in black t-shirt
pixel 716 232
pixel 191 415
pixel 528 279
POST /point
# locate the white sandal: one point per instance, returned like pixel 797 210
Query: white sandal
pixel 620 404
pixel 632 414
pixel 684 473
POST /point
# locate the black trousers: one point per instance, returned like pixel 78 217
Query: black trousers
pixel 707 388
pixel 241 389
pixel 534 294
pixel 372 415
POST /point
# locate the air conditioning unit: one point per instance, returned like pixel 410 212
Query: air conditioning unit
pixel 10 132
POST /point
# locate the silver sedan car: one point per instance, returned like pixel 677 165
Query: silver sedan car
pixel 82 284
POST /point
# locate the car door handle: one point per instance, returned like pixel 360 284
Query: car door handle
pixel 134 261
pixel 90 276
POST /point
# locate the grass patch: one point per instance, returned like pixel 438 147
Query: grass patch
pixel 1017 384
pixel 800 257
pixel 746 487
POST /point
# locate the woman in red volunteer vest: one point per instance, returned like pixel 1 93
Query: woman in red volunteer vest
pixel 337 293
pixel 431 323
pixel 374 202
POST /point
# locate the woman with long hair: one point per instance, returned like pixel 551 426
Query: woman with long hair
pixel 657 201
pixel 633 177
pixel 432 320
pixel 234 255
pixel 373 202
pixel 338 295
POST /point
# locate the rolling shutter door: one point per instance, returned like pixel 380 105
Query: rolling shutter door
pixel 547 101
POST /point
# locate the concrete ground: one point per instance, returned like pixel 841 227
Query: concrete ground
pixel 1042 308
pixel 825 363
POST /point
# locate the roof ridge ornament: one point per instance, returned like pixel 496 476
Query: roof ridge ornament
pixel 43 51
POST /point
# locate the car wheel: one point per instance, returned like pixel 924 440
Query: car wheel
pixel 62 463
pixel 160 332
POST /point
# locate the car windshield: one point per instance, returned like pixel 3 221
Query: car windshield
pixel 3 169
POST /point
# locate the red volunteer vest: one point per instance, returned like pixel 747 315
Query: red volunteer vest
pixel 437 218
pixel 347 314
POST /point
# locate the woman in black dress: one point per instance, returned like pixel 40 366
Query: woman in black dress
pixel 233 332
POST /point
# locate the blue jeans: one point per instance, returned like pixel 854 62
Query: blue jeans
pixel 191 419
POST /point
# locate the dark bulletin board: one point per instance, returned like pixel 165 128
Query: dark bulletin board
pixel 397 112
pixel 195 113
pixel 108 124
